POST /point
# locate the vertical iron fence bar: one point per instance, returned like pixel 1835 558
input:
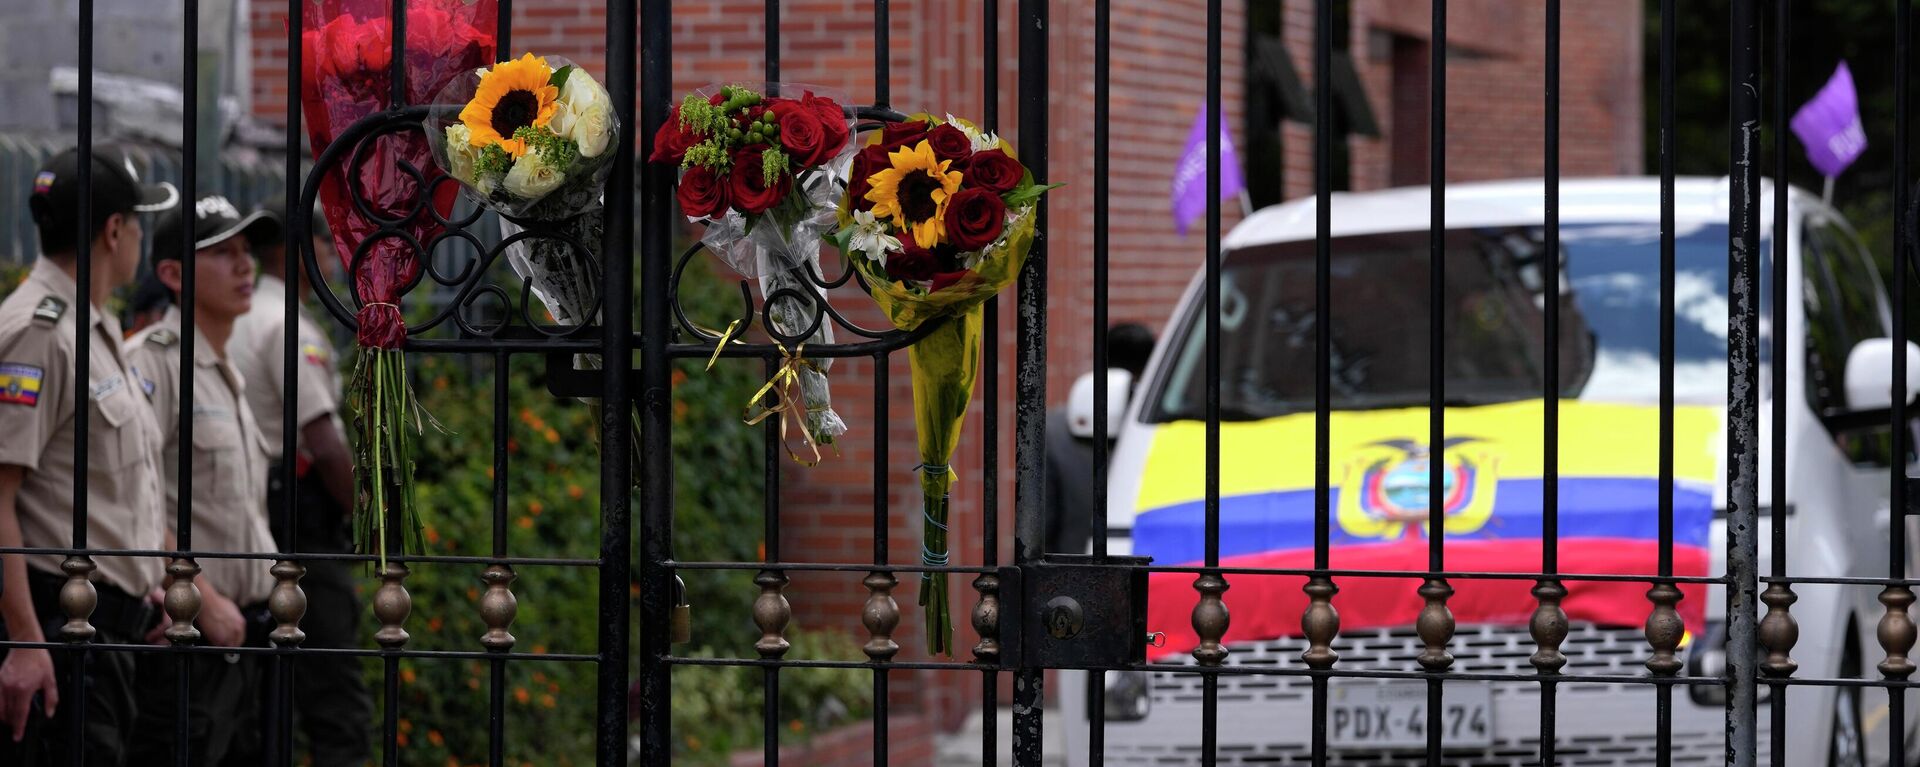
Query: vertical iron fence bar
pixel 882 55
pixel 770 520
pixel 183 434
pixel 497 691
pixel 1102 37
pixel 656 390
pixel 1777 708
pixel 1550 395
pixel 1030 385
pixel 399 71
pixel 83 367
pixel 1663 694
pixel 391 668
pixel 298 222
pixel 882 446
pixel 503 31
pixel 1322 317
pixel 770 530
pixel 990 405
pixel 1436 587
pixel 1210 682
pixel 390 677
pixel 882 404
pixel 772 14
pixel 1743 403
pixel 1897 493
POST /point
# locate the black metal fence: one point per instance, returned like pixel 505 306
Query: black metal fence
pixel 1013 639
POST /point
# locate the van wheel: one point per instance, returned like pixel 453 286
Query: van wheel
pixel 1846 743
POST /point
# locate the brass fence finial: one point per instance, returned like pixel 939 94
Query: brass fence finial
pixel 1211 619
pixel 1896 632
pixel 1435 625
pixel 881 616
pixel 986 618
pixel 287 603
pixel 1320 623
pixel 391 605
pixel 1664 629
pixel 1778 630
pixel 498 606
pixel 182 600
pixel 1548 626
pixel 771 611
pixel 78 598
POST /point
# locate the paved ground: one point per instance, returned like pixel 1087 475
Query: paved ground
pixel 963 747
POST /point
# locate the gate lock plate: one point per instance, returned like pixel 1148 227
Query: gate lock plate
pixel 1075 611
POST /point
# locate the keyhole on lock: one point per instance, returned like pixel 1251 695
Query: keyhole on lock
pixel 1063 618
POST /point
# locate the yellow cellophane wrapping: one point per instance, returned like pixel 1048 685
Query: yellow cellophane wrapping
pixel 944 365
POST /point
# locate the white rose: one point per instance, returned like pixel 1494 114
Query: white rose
pixel 585 114
pixel 461 154
pixel 592 129
pixel 532 178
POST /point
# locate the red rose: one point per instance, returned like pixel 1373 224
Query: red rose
pixel 750 190
pixel 801 134
pixel 869 161
pixel 896 135
pixel 375 44
pixel 833 121
pixel 944 280
pixel 994 171
pixel 704 194
pixel 949 143
pixel 975 218
pixel 912 262
pixel 671 142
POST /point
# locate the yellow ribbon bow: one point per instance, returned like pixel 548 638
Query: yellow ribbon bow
pixel 790 406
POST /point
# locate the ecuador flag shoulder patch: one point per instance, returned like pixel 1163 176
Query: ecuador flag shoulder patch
pixel 20 384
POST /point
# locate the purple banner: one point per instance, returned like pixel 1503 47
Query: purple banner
pixel 1829 125
pixel 1189 197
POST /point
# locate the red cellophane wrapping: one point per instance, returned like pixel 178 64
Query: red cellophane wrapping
pixel 346 56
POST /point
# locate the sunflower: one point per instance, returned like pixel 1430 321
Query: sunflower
pixel 511 96
pixel 913 192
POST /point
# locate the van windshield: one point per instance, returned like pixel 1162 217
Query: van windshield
pixel 1609 340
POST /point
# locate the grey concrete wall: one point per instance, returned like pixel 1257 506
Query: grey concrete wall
pixel 138 38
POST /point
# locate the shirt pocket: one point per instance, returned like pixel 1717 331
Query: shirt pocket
pixel 219 459
pixel 119 444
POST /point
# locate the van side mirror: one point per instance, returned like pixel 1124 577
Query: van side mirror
pixel 1869 374
pixel 1080 403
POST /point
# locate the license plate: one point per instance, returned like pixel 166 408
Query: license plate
pixel 1394 715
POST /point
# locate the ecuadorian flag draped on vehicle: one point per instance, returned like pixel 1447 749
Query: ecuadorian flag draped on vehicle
pixel 1379 487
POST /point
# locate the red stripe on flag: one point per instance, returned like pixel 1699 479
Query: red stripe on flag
pixel 1269 606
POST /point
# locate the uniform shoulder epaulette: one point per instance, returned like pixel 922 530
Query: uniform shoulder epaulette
pixel 51 309
pixel 163 337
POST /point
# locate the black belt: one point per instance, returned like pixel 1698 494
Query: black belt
pixel 115 611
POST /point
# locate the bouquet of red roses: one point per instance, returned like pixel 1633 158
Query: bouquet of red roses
pixel 937 218
pixel 347 57
pixel 763 172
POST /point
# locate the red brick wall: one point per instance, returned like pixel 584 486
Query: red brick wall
pixel 1158 81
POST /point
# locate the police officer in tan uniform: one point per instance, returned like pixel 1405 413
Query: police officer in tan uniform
pixel 228 459
pixel 39 326
pixel 333 710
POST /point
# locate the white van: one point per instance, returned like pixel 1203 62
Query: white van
pixel 1838 366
